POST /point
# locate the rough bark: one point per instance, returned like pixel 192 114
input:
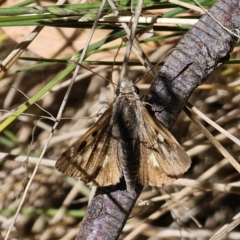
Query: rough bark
pixel 202 50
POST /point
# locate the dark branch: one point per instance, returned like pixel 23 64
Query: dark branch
pixel 203 49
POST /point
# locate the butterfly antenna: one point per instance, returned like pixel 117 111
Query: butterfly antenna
pixel 79 64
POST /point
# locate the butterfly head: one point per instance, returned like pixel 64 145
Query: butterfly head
pixel 127 86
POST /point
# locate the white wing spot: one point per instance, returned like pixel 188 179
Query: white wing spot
pixel 105 161
pixel 161 138
pixel 165 151
pixel 72 150
pixel 100 145
pixel 153 160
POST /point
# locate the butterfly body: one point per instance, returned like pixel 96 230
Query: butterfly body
pixel 127 121
pixel 126 141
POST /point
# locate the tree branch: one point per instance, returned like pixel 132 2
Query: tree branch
pixel 202 50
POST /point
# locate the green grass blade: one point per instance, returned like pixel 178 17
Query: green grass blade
pixel 22 108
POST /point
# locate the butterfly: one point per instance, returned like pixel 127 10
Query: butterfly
pixel 128 142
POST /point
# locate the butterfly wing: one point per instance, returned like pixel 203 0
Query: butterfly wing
pixel 162 158
pixel 93 157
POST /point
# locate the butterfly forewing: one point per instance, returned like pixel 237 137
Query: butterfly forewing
pixel 162 158
pixel 90 156
pixel 110 172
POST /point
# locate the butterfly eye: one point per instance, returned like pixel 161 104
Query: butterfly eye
pixel 136 89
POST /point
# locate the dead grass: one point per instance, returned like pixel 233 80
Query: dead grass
pixel 186 210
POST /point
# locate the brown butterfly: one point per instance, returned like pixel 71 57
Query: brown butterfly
pixel 126 142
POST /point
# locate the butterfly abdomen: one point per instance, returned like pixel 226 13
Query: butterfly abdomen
pixel 125 130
